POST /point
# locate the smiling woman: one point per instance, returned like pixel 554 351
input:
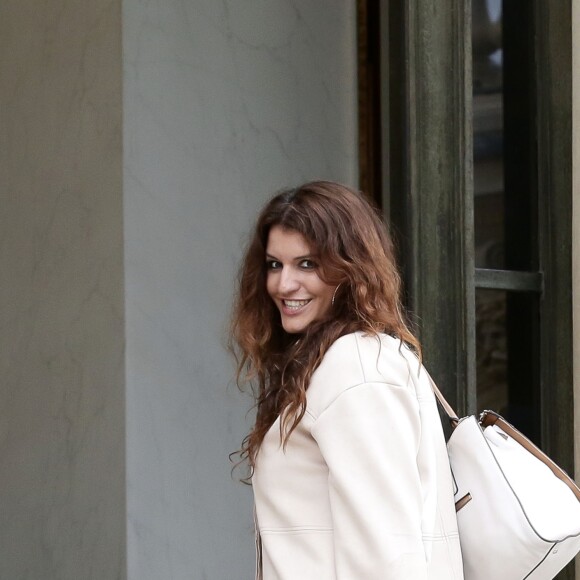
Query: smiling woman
pixel 293 280
pixel 347 457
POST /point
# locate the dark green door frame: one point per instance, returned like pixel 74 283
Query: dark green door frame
pixel 554 110
pixel 432 182
pixel 431 199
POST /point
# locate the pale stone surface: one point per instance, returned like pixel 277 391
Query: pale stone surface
pixel 62 483
pixel 225 102
pixel 576 224
pixel 576 218
pixel 115 462
pixel 576 234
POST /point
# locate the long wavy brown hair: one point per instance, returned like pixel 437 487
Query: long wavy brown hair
pixel 355 253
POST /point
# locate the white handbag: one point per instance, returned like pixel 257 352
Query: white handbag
pixel 518 513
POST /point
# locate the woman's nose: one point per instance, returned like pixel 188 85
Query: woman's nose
pixel 288 281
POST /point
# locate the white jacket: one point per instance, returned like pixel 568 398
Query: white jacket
pixel 363 490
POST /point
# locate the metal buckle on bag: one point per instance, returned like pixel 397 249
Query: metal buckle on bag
pixel 488 417
pixel 483 421
pixel 482 416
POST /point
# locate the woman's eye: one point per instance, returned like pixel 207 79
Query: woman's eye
pixel 308 264
pixel 273 265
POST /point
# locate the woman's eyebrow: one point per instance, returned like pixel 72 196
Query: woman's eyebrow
pixel 297 259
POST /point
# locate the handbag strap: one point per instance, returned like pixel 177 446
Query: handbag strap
pixel 453 418
pixel 491 418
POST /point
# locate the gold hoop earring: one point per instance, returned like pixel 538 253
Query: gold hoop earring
pixel 334 294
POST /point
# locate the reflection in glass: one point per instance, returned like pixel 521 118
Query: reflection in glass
pixel 492 355
pixel 507 365
pixel 505 208
pixel 489 201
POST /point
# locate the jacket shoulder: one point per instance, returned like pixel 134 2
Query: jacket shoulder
pixel 356 359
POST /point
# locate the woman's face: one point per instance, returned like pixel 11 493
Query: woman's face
pixel 293 280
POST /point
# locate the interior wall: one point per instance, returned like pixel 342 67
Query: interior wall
pixel 62 482
pixel 224 103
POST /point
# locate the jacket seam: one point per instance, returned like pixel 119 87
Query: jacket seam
pixel 440 537
pixel 362 370
pixel 296 530
pixel 384 383
pixel 310 414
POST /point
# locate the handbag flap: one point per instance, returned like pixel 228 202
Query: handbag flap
pixel 491 418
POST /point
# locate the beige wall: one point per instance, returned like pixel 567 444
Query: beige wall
pixel 224 103
pixel 576 223
pixel 62 482
pixel 137 141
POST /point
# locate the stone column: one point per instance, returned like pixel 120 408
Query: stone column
pixel 62 364
pixel 225 102
pixel 138 140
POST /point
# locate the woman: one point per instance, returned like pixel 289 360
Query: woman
pixel 348 462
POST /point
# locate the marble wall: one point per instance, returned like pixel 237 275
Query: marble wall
pixel 138 140
pixel 62 474
pixel 576 227
pixel 224 102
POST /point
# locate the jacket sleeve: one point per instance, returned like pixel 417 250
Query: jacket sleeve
pixel 369 437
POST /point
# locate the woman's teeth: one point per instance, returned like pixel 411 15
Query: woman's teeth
pixel 295 303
